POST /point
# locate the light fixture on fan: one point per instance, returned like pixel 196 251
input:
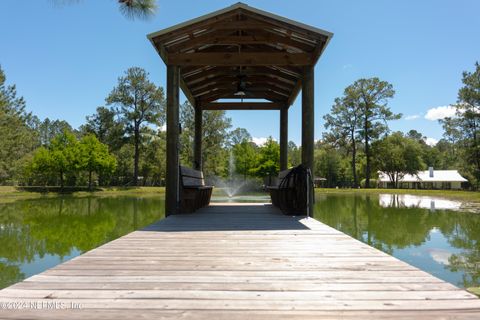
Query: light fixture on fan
pixel 241 86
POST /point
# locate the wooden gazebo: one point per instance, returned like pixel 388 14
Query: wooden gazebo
pixel 238 58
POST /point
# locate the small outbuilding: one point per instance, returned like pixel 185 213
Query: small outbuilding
pixel 428 179
pixel 238 58
pixel 320 182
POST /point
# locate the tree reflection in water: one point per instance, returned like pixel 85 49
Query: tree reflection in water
pixel 445 243
pixel 31 230
pixel 396 229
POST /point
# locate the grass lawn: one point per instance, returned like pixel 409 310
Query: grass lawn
pixel 9 194
pixel 474 290
pixel 471 196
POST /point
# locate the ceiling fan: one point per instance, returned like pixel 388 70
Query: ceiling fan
pixel 241 86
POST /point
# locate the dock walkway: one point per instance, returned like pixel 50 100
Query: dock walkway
pixel 236 262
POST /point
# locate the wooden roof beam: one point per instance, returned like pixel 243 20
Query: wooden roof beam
pixel 242 106
pixel 179 30
pixel 217 39
pixel 265 86
pixel 196 41
pixel 188 71
pixel 271 37
pixel 229 94
pixel 231 88
pixel 291 27
pixel 252 81
pixel 201 77
pixel 215 86
pixel 261 80
pixel 268 71
pixel 240 59
pixel 217 94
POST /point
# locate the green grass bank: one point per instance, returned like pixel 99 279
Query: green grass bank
pixel 8 193
pixel 471 196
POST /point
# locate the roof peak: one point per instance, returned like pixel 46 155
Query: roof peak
pixel 243 6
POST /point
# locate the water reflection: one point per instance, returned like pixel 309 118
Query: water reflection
pixel 414 201
pixel 38 234
pixel 258 198
pixel 445 243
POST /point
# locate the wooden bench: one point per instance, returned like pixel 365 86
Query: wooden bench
pixel 291 192
pixel 275 192
pixel 194 194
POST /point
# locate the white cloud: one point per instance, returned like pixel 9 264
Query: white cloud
pixel 163 128
pixel 440 255
pixel 412 117
pixel 431 141
pixel 440 113
pixel 347 66
pixel 259 141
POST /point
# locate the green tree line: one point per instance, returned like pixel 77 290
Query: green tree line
pixel 123 142
pixel 358 142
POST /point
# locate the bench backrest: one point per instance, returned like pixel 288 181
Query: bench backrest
pixel 282 174
pixel 191 177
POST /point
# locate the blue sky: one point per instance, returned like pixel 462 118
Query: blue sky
pixel 65 59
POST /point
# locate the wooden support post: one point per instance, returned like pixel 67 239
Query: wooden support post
pixel 284 138
pixel 308 126
pixel 172 198
pixel 197 151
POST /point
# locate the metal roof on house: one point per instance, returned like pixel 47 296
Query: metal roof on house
pixel 424 176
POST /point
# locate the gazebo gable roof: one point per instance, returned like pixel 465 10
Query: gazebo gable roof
pixel 240 45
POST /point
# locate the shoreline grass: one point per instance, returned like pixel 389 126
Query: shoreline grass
pixel 474 290
pixel 10 193
pixel 470 196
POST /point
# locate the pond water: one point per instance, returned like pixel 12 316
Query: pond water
pixel 435 235
pixel 38 234
pixel 259 198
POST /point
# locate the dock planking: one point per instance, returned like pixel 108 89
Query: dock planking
pixel 236 262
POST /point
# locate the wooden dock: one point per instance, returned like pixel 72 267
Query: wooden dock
pixel 236 262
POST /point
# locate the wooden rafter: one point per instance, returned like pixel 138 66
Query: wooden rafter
pixel 251 81
pixel 269 53
pixel 212 81
pixel 232 88
pixel 214 86
pixel 201 74
pixel 244 59
pixel 257 38
pixel 242 106
pixel 228 95
pixel 203 24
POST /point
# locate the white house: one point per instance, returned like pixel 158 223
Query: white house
pixel 428 179
pixel 414 201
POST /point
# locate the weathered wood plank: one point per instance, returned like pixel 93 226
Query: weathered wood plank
pixel 235 262
pixel 116 314
pixel 144 278
pixel 223 304
pixel 262 274
pixel 238 295
pixel 240 286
